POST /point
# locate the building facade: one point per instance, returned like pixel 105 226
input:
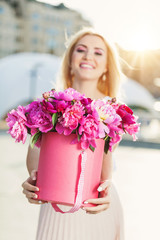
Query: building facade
pixel 36 27
pixel 10 31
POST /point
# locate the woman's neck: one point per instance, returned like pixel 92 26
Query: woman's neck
pixel 89 88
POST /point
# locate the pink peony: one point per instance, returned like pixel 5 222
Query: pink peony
pixel 48 107
pixel 48 95
pixel 126 114
pixel 38 118
pixel 89 125
pixel 55 106
pixel 117 138
pixel 109 119
pixel 89 129
pixel 68 95
pixel 61 105
pixel 129 121
pixel 70 119
pixel 132 129
pixel 87 141
pixel 16 121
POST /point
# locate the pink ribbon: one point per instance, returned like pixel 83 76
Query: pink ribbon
pixel 78 201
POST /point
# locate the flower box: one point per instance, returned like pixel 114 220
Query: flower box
pixel 61 170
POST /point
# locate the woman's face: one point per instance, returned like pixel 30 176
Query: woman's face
pixel 89 58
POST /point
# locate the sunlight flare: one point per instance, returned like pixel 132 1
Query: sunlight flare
pixel 141 40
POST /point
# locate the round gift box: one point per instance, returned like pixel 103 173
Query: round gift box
pixel 60 167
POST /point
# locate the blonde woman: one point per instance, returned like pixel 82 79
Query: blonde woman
pixel 89 66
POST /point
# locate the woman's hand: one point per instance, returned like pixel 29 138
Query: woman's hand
pixel 29 188
pixel 103 202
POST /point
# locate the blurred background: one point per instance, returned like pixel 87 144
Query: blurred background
pixel 32 42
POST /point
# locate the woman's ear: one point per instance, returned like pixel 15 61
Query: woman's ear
pixel 105 71
pixel 71 71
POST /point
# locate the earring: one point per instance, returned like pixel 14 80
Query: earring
pixel 104 77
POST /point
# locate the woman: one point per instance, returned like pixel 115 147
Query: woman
pixel 90 66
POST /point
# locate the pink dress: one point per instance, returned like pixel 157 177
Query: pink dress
pixel 107 225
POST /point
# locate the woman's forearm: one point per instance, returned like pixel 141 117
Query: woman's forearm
pixel 107 166
pixel 32 159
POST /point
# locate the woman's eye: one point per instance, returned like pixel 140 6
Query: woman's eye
pixel 80 50
pixel 98 53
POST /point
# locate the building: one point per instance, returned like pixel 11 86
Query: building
pixel 46 27
pixel 10 31
pixel 31 26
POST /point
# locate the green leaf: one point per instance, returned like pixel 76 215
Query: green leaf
pixel 92 148
pixel 34 138
pixel 123 127
pixel 106 138
pixel 79 137
pixel 106 146
pixel 54 118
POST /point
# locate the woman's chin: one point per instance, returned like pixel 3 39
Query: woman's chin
pixel 86 78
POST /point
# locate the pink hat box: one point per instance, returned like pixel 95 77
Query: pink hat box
pixel 67 174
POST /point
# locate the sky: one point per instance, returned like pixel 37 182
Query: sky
pixel 134 25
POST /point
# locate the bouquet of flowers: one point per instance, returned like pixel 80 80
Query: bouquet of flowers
pixel 68 112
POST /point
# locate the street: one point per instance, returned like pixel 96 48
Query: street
pixel 136 177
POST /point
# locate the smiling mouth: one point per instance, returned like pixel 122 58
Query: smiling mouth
pixel 86 66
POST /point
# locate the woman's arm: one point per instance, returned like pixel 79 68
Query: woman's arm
pixel 32 159
pixel 107 167
pixel 29 188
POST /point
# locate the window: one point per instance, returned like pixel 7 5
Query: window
pixel 36 28
pixel 1 10
pixel 34 40
pixel 52 31
pixel 18 39
pixel 51 44
pixel 35 15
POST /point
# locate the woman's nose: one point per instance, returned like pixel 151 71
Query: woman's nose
pixel 88 55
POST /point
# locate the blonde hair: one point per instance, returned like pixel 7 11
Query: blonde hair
pixel 111 84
